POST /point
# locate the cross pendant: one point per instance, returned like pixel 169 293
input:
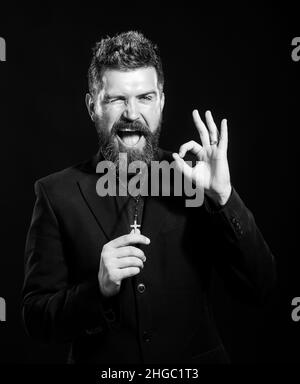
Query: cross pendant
pixel 135 228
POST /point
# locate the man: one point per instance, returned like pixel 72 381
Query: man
pixel 126 279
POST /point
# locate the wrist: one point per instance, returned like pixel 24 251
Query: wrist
pixel 220 198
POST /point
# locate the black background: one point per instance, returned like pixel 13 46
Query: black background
pixel 235 61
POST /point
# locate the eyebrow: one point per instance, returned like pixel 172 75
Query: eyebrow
pixel 108 96
pixel 147 93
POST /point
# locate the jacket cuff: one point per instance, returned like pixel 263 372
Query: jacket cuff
pixel 103 311
pixel 213 207
pixel 233 214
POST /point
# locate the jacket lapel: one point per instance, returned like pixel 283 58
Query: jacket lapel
pixel 108 214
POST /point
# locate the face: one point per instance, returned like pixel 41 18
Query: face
pixel 127 113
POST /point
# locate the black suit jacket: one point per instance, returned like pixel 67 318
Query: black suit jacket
pixel 171 320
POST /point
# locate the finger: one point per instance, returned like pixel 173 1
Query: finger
pixel 127 262
pixel 182 166
pixel 223 143
pixel 213 130
pixel 128 272
pixel 204 136
pixel 130 251
pixel 192 146
pixel 131 238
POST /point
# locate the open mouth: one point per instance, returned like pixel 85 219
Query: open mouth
pixel 129 137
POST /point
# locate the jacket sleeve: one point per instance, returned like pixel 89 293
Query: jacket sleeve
pixel 242 257
pixel 53 309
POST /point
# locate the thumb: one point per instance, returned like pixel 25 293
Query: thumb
pixel 182 166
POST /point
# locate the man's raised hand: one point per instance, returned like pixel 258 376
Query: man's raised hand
pixel 211 172
pixel 120 259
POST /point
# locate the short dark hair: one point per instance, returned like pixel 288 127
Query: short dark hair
pixel 124 51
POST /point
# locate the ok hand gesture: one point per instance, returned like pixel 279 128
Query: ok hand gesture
pixel 211 172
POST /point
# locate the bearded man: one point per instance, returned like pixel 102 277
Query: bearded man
pixel 126 279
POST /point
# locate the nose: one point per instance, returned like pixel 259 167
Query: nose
pixel 131 111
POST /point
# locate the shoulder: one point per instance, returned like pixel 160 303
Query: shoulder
pixel 67 178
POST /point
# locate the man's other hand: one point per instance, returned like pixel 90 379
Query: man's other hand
pixel 119 260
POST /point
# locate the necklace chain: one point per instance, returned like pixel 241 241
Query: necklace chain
pixel 137 199
pixel 136 227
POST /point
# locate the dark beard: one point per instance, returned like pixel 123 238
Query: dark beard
pixel 110 151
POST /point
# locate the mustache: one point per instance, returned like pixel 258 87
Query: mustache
pixel 136 126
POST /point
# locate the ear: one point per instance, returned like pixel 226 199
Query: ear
pixel 89 101
pixel 162 101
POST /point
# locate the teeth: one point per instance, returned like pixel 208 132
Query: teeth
pixel 128 130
